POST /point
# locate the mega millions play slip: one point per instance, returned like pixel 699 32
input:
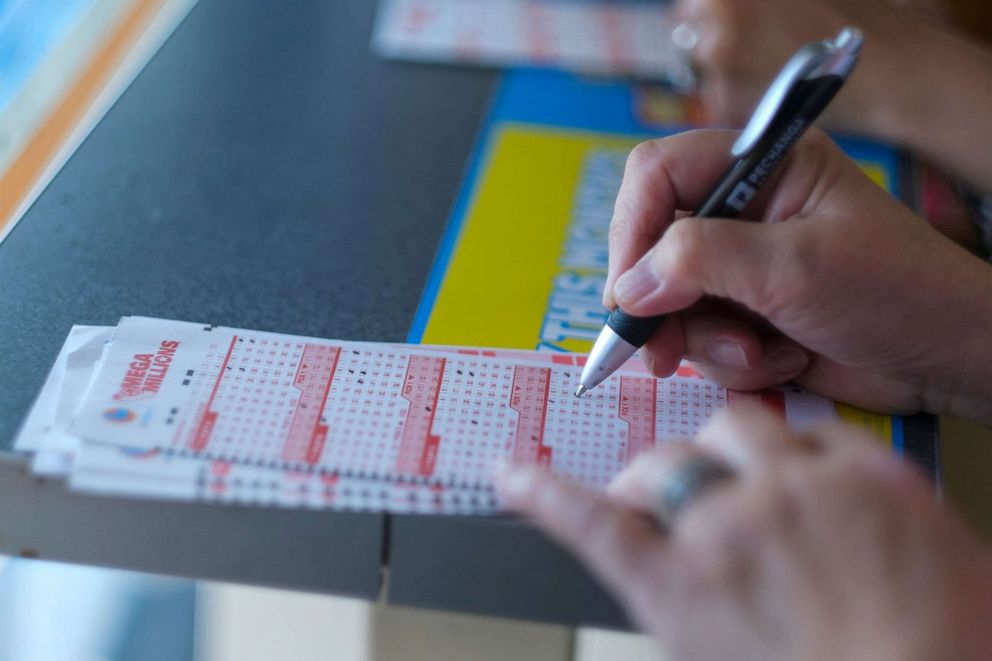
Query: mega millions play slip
pixel 188 411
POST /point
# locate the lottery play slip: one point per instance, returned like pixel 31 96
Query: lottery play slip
pixel 188 411
pixel 611 38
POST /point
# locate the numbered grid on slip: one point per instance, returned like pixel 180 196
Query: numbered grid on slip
pixel 685 404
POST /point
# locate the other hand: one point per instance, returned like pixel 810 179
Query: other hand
pixel 822 546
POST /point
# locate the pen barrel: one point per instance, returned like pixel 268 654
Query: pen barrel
pixel 634 330
pixel 740 183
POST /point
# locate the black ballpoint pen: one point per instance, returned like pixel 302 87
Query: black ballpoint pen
pixel 797 96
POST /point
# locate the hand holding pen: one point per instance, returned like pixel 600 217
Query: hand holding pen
pixel 801 91
pixel 834 285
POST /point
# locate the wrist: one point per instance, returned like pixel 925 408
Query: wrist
pixel 894 106
pixel 965 399
pixel 965 389
pixel 937 111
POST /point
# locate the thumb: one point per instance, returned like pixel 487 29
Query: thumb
pixel 731 259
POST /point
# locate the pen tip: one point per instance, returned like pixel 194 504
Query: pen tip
pixel 581 390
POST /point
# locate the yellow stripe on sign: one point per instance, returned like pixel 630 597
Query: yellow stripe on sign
pixel 876 423
pixel 496 288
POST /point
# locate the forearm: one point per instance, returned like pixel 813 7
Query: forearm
pixel 964 388
pixel 939 102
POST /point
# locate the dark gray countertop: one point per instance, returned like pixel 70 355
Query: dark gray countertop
pixel 264 171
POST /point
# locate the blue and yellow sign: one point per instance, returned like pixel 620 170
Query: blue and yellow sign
pixel 524 258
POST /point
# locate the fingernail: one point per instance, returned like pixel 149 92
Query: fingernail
pixel 515 481
pixel 787 361
pixel 727 353
pixel 637 283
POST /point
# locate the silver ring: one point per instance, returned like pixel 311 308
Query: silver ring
pixel 693 478
pixel 681 72
pixel 685 36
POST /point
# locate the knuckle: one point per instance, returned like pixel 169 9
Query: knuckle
pixel 780 499
pixel 835 483
pixel 820 156
pixel 644 155
pixel 619 232
pixel 723 557
pixel 800 258
pixel 726 537
pixel 816 141
pixel 683 246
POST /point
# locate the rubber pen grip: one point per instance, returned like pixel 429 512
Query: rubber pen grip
pixel 634 330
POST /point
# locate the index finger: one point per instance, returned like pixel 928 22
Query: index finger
pixel 661 176
pixel 617 544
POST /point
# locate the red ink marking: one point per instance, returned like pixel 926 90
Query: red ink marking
pixel 203 430
pixel 201 435
pixel 307 434
pixel 685 370
pixel 774 400
pixel 638 409
pixel 429 457
pixel 421 387
pixel 529 398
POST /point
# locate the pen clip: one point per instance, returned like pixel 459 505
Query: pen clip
pixel 820 58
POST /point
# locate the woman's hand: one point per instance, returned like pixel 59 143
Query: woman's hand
pixel 917 83
pixel 839 287
pixel 741 44
pixel 822 546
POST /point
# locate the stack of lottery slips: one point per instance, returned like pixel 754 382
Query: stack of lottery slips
pixel 188 411
pixel 617 38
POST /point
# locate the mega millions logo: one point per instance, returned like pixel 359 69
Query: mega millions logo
pixel 119 414
pixel 146 372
